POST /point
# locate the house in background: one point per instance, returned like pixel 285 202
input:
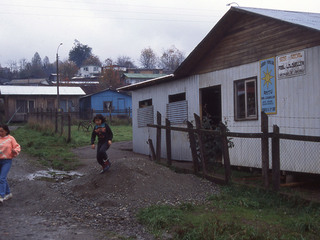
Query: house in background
pixel 108 102
pixel 253 60
pixel 17 101
pixel 89 71
pixel 136 75
pixel 29 82
pixel 89 85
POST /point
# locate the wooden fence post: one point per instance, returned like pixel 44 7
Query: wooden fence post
pixel 61 124
pixel 193 147
pixel 168 141
pixel 201 144
pixel 41 115
pixel 225 151
pixel 265 149
pixel 69 128
pixel 37 114
pixel 158 147
pixel 153 154
pixel 56 121
pixel 276 158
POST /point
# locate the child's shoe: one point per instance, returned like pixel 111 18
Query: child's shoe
pixel 7 196
pixel 106 166
pixel 1 199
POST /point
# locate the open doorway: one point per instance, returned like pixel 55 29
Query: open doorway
pixel 211 103
pixel 211 117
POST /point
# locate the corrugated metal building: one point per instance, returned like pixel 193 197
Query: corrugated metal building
pixel 252 60
pixel 17 101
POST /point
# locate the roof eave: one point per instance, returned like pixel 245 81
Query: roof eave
pixel 147 83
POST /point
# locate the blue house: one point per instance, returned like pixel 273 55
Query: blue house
pixel 107 102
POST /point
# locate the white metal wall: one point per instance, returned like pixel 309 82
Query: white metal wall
pixel 298 112
pixel 159 96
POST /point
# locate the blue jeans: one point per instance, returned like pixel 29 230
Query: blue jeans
pixel 102 152
pixel 5 165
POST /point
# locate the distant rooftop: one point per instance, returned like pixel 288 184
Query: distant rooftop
pixel 40 90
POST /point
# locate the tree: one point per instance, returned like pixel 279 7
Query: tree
pixel 48 67
pixel 171 59
pixel 36 60
pixel 46 62
pixel 92 60
pixel 148 58
pixel 24 68
pixel 110 75
pixel 36 66
pixel 67 70
pixel 79 53
pixel 125 61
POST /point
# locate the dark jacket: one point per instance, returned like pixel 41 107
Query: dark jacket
pixel 103 132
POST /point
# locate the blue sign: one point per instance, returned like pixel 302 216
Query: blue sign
pixel 268 86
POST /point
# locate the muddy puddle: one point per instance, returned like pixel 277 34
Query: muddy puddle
pixel 52 175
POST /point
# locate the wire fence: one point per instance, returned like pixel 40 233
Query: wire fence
pixel 61 122
pixel 264 149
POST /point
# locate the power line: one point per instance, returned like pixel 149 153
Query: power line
pixel 112 11
pixel 77 3
pixel 106 17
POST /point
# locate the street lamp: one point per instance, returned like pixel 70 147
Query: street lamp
pixel 58 98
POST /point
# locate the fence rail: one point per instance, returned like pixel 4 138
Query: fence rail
pixel 61 121
pixel 198 151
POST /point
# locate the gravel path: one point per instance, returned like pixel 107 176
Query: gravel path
pixel 87 205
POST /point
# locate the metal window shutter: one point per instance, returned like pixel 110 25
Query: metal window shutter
pixel 177 112
pixel 145 116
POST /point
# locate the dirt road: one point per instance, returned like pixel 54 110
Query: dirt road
pixel 88 205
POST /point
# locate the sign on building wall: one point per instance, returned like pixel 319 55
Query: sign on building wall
pixel 268 86
pixel 290 65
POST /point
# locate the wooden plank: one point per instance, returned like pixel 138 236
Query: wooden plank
pixel 265 149
pixel 276 158
pixel 153 153
pixel 225 151
pixel 158 147
pixel 201 144
pixel 270 38
pixel 193 147
pixel 168 142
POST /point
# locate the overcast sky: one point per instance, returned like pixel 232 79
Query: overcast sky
pixel 115 28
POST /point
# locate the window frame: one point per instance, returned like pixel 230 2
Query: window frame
pixel 145 113
pixel 237 114
pixel 177 108
pixel 26 104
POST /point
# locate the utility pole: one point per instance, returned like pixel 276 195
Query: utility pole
pixel 58 97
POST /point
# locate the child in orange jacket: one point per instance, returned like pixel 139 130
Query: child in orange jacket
pixel 9 148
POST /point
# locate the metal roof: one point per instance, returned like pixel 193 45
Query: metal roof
pixel 40 90
pixel 30 81
pixel 306 19
pixel 143 75
pixel 146 83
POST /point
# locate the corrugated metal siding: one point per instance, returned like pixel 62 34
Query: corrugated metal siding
pixel 159 96
pixel 145 116
pixel 297 113
pixel 177 112
pixel 40 90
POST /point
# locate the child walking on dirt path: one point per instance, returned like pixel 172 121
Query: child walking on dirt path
pixel 9 148
pixel 105 135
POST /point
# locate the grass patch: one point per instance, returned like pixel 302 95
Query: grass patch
pixel 238 212
pixel 51 149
